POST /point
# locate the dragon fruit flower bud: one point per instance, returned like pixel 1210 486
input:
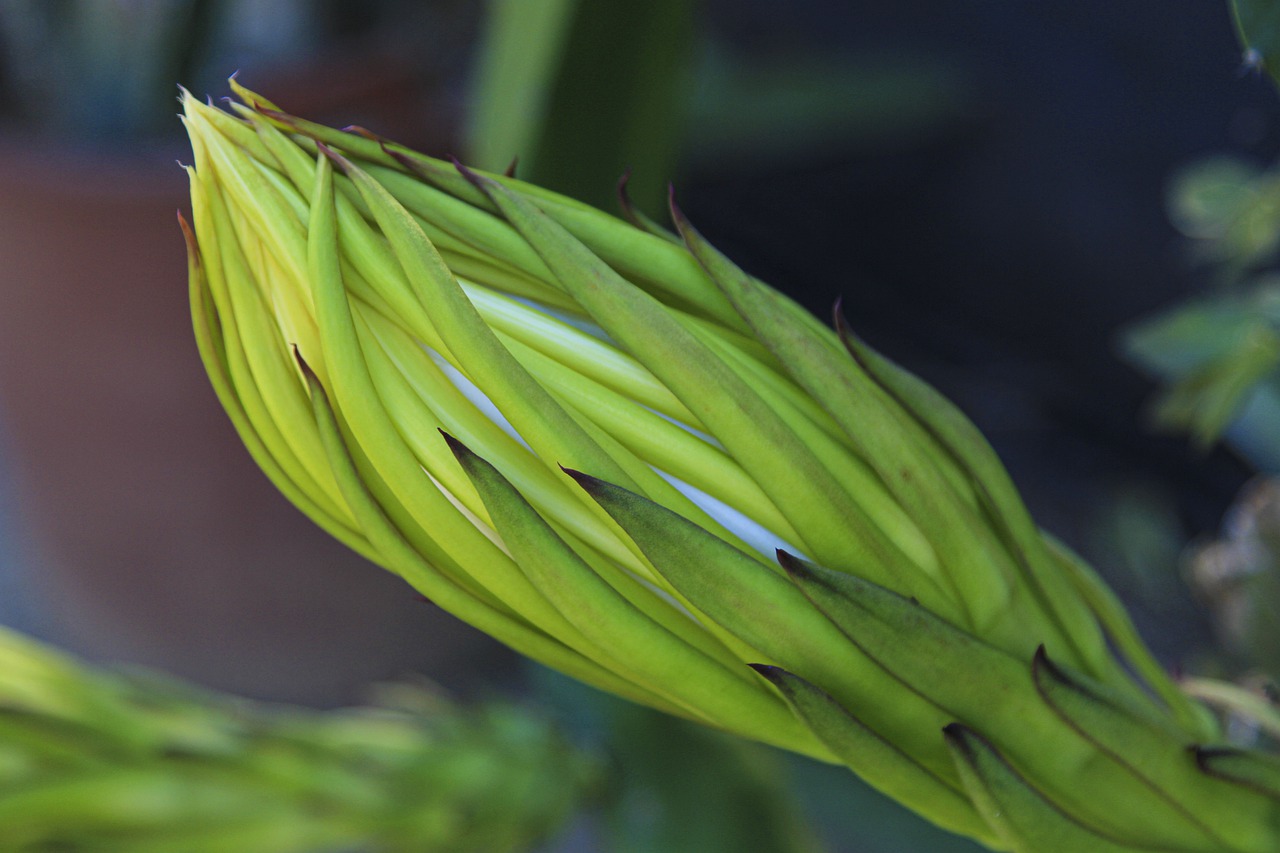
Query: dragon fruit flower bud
pixel 610 448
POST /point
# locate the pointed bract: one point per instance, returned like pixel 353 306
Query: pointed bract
pixel 590 438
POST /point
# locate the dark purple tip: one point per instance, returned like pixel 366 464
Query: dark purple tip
pixel 1040 664
pixel 684 227
pixel 960 736
pixel 849 338
pixel 335 158
pixel 510 171
pixel 303 366
pixel 837 312
pixel 793 565
pixel 404 160
pixel 1205 755
pixel 624 197
pixel 838 319
pixel 416 165
pixel 772 674
pixel 357 130
pixel 282 117
pixel 459 449
pixel 591 485
pixel 476 180
pixel 677 215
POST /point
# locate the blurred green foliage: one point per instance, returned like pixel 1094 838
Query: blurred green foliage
pixel 677 786
pixel 93 70
pixel 1218 356
pixel 1258 25
pixel 1238 576
pixel 93 760
pixel 1218 359
pixel 582 92
pixel 808 104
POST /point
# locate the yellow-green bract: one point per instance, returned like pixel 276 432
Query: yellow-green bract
pixel 610 448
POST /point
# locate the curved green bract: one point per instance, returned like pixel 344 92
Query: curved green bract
pixel 609 447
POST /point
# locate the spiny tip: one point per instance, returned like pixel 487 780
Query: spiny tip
pixel 792 565
pixel 963 740
pixel 303 366
pixel 189 235
pixel 1042 666
pixel 624 201
pixel 459 449
pixel 624 198
pixel 1206 756
pixel 276 115
pixel 586 481
pixel 677 215
pixel 772 674
pixel 357 130
pixel 335 158
pixel 837 312
pixel 415 167
pixel 684 227
pixel 477 180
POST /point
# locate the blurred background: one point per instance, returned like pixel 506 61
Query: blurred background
pixel 1004 195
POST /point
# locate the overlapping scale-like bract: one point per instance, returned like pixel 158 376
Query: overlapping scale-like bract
pixel 610 448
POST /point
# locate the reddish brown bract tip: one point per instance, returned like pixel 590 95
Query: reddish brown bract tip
pixel 334 157
pixel 189 235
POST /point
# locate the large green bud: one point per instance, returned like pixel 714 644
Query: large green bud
pixel 610 448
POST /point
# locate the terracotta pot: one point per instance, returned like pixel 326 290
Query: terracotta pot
pixel 150 535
